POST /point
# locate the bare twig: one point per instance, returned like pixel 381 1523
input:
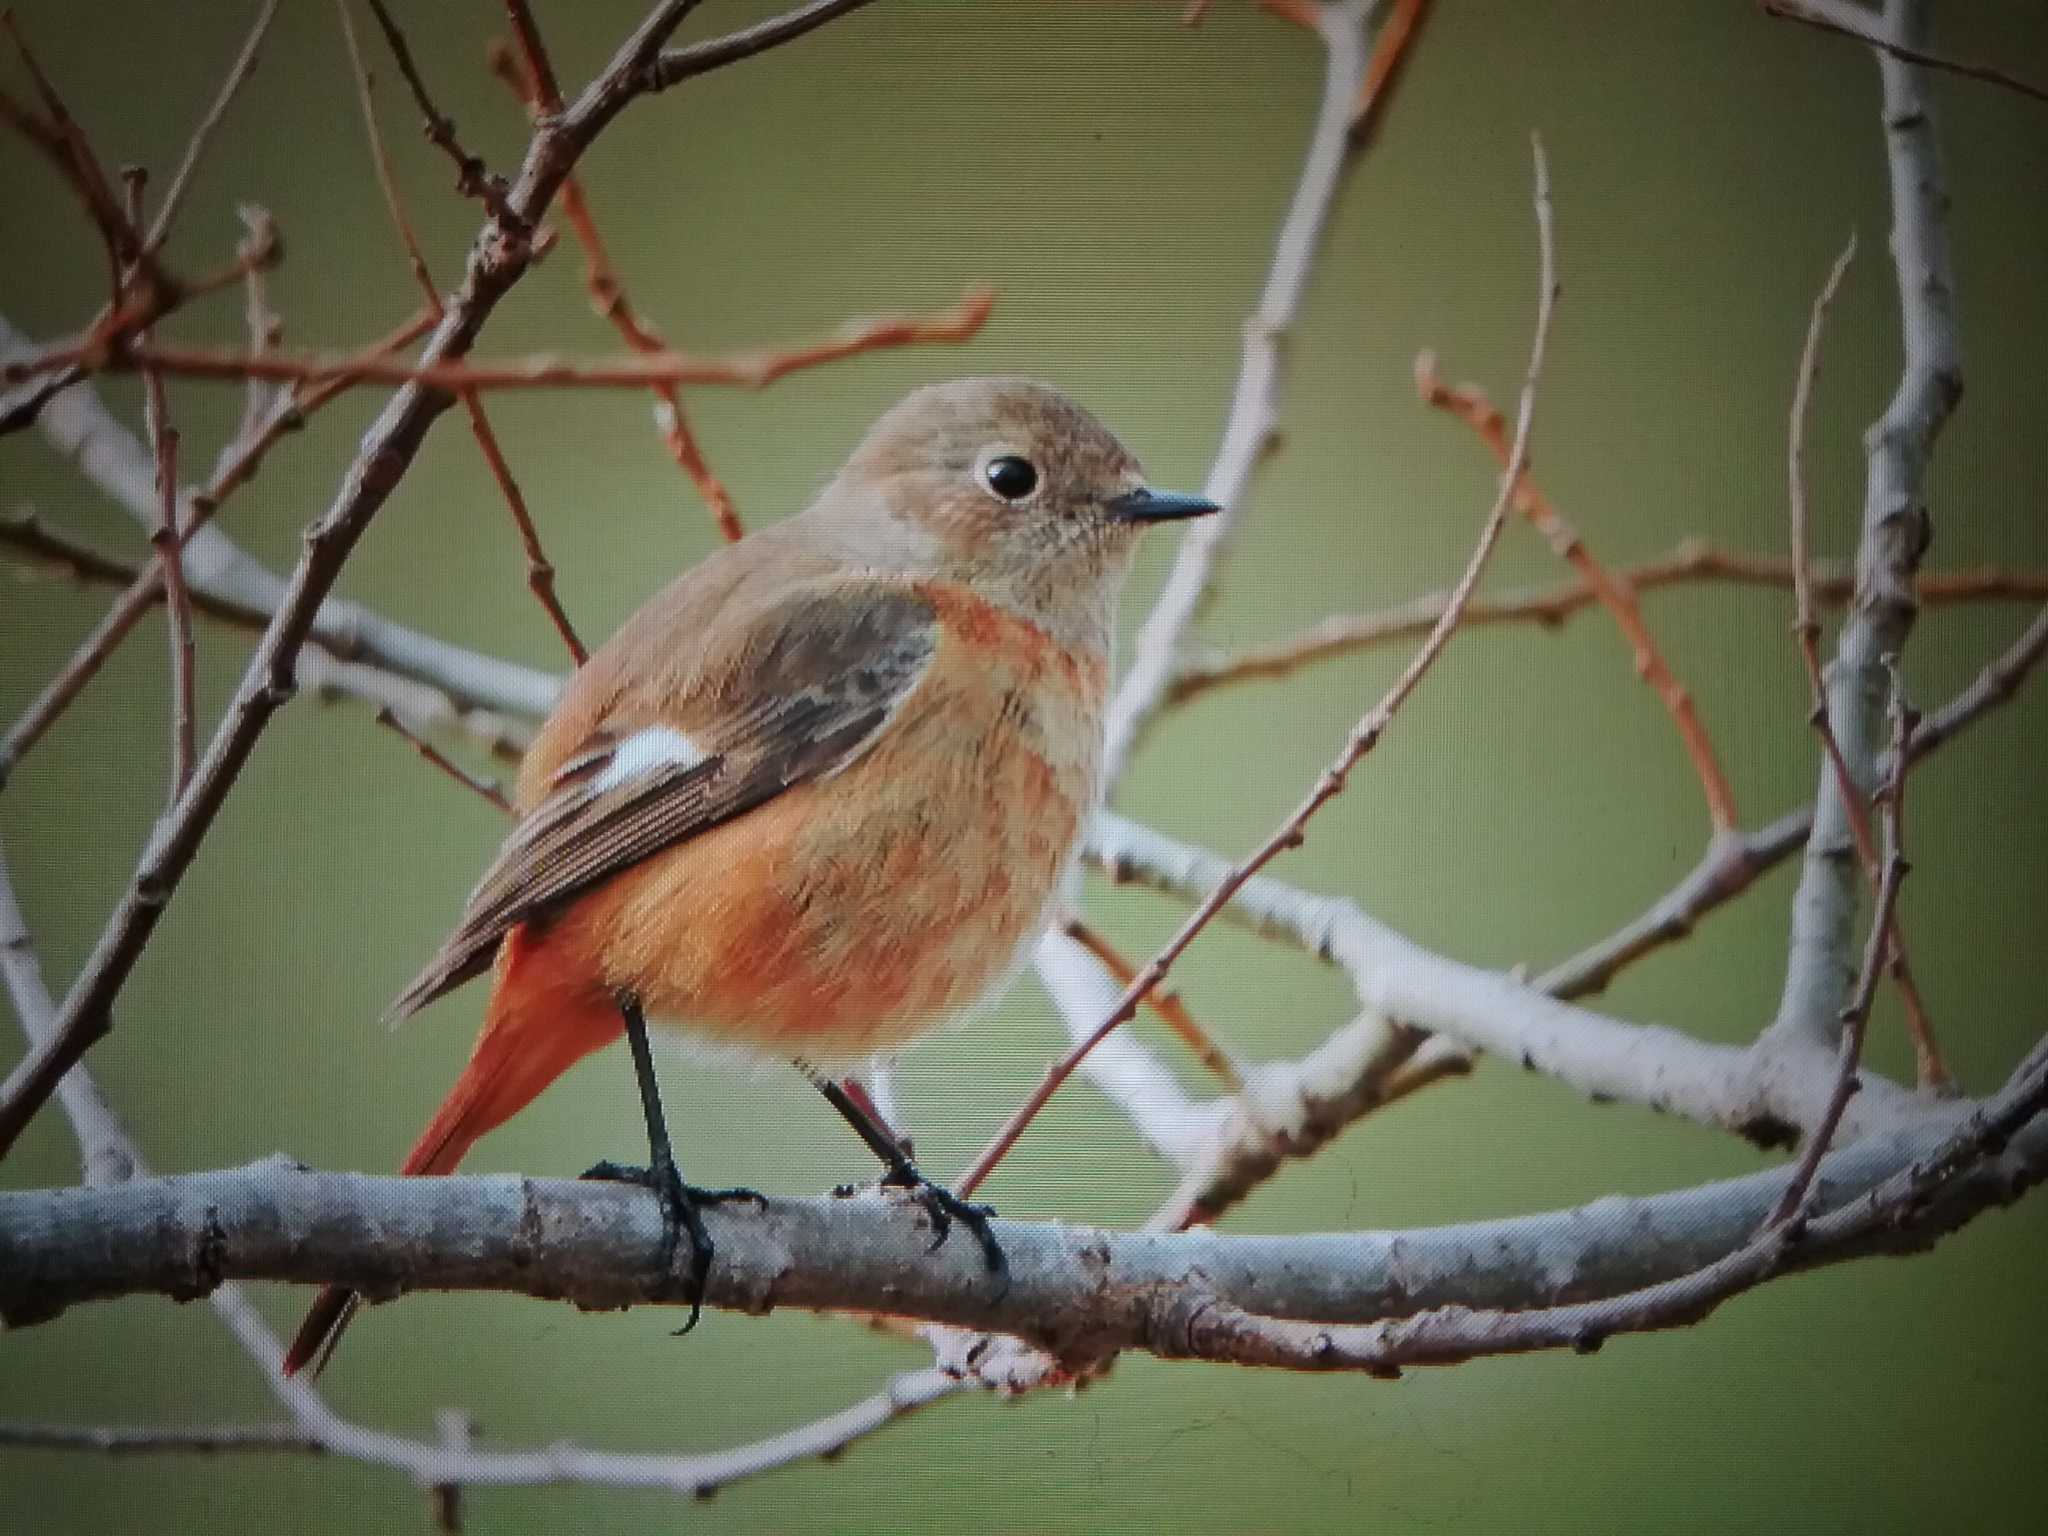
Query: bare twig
pixel 64 143
pixel 1691 563
pixel 168 540
pixel 1390 51
pixel 1854 21
pixel 1172 1011
pixel 754 369
pixel 1470 405
pixel 1883 933
pixel 531 78
pixel 487 789
pixel 1363 738
pixel 676 65
pixel 497 260
pixel 540 572
pixel 472 177
pixel 80 427
pixel 195 147
pixel 183 1440
pixel 106 1155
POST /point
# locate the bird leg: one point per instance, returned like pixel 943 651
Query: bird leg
pixel 941 1204
pixel 679 1201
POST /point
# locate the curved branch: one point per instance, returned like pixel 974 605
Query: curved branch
pixel 1082 1294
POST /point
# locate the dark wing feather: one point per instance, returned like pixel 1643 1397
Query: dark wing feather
pixel 812 683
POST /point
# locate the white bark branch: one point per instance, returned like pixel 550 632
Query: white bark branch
pixel 1819 961
pixel 1254 420
pixel 1080 1293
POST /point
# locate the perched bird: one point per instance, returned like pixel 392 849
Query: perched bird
pixel 817 796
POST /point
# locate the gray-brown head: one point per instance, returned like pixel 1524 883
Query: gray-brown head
pixel 1004 483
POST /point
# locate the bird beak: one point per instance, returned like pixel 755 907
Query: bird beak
pixel 1145 505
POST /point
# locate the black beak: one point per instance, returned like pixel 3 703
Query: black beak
pixel 1145 505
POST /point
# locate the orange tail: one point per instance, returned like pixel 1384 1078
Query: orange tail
pixel 540 1022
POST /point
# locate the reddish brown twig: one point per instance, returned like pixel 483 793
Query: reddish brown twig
pixel 530 78
pixel 167 541
pixel 1864 30
pixel 755 369
pixel 1390 50
pixel 238 464
pixel 486 788
pixel 1883 935
pixel 63 142
pixel 1365 735
pixel 472 177
pixel 540 571
pixel 195 147
pixel 1172 1011
pixel 1301 12
pixel 498 258
pixel 1691 563
pixel 1470 405
pixel 1931 1070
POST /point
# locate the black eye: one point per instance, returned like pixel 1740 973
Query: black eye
pixel 1010 477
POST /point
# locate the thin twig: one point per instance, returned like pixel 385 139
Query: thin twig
pixel 472 177
pixel 1855 22
pixel 1172 1010
pixel 238 464
pixel 195 147
pixel 497 260
pixel 531 79
pixel 1883 931
pixel 1390 50
pixel 64 142
pixel 755 369
pixel 1470 405
pixel 1693 562
pixel 1363 738
pixel 540 571
pixel 167 539
pixel 485 788
pixel 676 65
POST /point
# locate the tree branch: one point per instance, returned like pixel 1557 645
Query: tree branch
pixel 1251 430
pixel 1896 528
pixel 1853 21
pixel 497 260
pixel 1080 1293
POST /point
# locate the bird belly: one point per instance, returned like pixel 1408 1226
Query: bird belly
pixel 852 914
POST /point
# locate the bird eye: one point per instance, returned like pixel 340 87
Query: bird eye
pixel 1010 477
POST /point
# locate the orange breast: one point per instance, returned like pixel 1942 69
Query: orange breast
pixel 856 912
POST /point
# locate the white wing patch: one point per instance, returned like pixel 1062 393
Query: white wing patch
pixel 645 751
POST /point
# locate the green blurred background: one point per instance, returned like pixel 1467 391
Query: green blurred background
pixel 1118 178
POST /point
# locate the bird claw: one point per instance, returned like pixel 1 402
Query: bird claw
pixel 680 1204
pixel 944 1208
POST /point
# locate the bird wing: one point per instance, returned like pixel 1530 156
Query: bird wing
pixel 801 690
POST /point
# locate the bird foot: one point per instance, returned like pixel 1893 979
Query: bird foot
pixel 680 1204
pixel 944 1208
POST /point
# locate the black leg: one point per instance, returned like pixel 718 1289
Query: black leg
pixel 679 1202
pixel 941 1204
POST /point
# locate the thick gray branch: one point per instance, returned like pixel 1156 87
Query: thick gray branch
pixel 1819 963
pixel 1082 1293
